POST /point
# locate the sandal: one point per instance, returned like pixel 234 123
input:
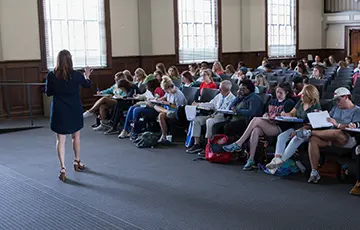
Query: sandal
pixel 78 165
pixel 62 175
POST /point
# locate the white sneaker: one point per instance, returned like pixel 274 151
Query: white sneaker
pixel 87 114
pixel 101 128
pixel 276 162
pixel 123 134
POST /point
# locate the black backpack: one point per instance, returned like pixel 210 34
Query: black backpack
pixel 146 140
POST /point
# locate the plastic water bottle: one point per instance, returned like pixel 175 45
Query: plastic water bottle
pixel 300 166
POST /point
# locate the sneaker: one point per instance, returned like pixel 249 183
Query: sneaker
pixel 356 189
pixel 164 141
pixel 87 114
pixel 194 149
pixel 123 134
pixel 101 128
pixel 232 148
pixel 106 123
pixel 303 133
pixel 357 150
pixel 250 165
pixel 201 153
pixel 276 162
pixel 314 178
pixel 111 131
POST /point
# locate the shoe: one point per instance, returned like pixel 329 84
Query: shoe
pixel 194 149
pixel 123 134
pixel 106 123
pixel 357 150
pixel 250 165
pixel 202 153
pixel 101 128
pixel 232 148
pixel 78 165
pixel 314 178
pixel 276 162
pixel 62 175
pixel 111 131
pixel 164 141
pixel 87 114
pixel 303 133
pixel 356 189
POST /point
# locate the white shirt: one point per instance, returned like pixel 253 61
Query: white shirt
pixel 218 103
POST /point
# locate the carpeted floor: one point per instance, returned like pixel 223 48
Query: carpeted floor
pixel 162 188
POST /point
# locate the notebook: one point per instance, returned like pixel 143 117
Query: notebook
pixel 319 119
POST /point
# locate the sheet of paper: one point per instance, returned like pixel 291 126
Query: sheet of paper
pixel 353 130
pixel 319 119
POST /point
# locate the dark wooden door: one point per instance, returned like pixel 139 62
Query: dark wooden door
pixel 355 45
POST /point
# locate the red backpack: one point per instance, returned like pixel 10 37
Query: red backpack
pixel 214 152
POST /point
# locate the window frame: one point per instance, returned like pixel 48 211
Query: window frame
pixel 41 17
pixel 296 31
pixel 176 30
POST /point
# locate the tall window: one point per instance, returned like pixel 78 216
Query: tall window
pixel 76 25
pixel 198 30
pixel 281 28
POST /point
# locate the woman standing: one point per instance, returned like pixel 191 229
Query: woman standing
pixel 66 116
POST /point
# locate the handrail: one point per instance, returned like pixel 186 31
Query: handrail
pixel 28 85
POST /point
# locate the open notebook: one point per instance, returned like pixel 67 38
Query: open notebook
pixel 319 119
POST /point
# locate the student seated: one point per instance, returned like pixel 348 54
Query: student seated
pixel 240 75
pixel 220 101
pixel 194 69
pixel 230 70
pixel 263 63
pixel 261 81
pixel 102 105
pixel 332 60
pixel 187 80
pixel 349 61
pixel 246 105
pixel 342 116
pixel 308 103
pixel 217 68
pixel 161 67
pixel 259 126
pixel 139 77
pixel 208 80
pixel 317 73
pixel 317 61
pixel 130 89
pixel 172 99
pixel 173 73
pixel 342 65
pixel 141 109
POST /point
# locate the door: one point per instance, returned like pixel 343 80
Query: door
pixel 355 45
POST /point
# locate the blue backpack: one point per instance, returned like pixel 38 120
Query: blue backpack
pixel 288 168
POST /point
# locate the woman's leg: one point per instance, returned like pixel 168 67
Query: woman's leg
pixel 60 147
pixel 103 111
pixel 268 129
pixel 264 129
pixel 292 147
pixel 282 139
pixel 104 100
pixel 163 125
pixel 129 118
pixel 76 144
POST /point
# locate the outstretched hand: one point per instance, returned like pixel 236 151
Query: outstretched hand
pixel 87 71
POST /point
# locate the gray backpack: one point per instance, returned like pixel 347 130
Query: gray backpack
pixel 146 140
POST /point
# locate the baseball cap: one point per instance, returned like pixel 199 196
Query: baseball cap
pixel 244 70
pixel 339 92
pixel 150 77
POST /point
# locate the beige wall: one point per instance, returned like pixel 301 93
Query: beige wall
pixel 310 24
pixel 124 28
pixel 243 27
pixel 19 29
pixel 335 36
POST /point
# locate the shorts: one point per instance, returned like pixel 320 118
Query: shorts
pixel 171 114
pixel 349 144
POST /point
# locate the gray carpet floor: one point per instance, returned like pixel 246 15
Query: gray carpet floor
pixel 161 188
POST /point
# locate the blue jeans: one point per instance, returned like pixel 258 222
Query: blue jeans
pixel 135 112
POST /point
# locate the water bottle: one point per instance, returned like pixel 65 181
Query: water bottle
pixel 300 166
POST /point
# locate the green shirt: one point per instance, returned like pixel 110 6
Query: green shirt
pixel 301 113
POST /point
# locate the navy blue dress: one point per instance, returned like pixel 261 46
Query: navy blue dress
pixel 66 114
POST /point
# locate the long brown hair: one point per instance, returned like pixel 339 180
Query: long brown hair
pixel 64 65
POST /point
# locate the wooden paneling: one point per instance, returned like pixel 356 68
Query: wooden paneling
pixel 335 6
pixel 21 71
pixel 29 71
